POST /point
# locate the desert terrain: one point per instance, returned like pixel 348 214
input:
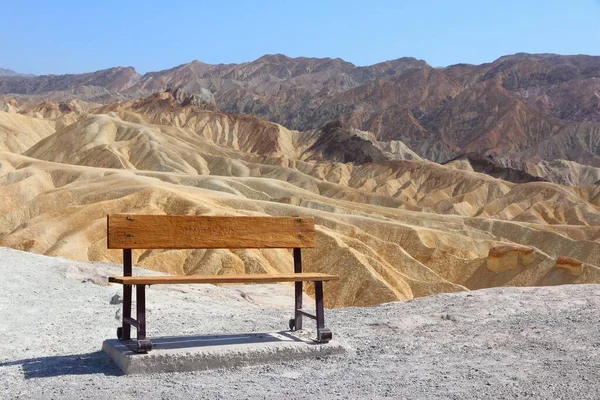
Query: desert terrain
pixel 491 343
pixel 460 207
pixel 408 200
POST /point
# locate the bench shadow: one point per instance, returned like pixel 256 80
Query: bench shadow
pixel 182 342
pixel 75 364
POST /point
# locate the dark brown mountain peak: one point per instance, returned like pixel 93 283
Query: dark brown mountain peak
pixel 193 67
pixel 551 58
pixel 399 63
pixel 283 59
pixel 284 67
pixel 273 58
pixel 526 56
pixel 10 72
pixel 114 79
pixel 522 71
pixel 196 62
pixel 387 69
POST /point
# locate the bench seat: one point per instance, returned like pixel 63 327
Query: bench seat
pixel 249 278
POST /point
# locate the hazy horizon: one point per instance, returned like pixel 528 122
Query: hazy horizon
pixel 248 61
pixel 73 37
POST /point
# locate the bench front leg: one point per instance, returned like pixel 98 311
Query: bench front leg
pixel 143 344
pixel 124 332
pixel 296 323
pixel 324 335
pixel 297 315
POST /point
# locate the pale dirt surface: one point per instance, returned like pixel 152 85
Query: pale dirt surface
pixel 494 343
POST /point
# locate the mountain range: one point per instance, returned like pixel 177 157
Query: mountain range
pixel 421 180
pixel 524 106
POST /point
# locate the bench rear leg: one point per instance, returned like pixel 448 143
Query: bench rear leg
pixel 324 335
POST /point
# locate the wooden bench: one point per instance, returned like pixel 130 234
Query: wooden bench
pixel 131 231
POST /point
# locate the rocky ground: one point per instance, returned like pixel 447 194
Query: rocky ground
pixel 494 343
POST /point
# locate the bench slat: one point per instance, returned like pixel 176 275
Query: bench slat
pixel 250 278
pixel 134 231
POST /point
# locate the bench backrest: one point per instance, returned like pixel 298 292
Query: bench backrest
pixel 134 231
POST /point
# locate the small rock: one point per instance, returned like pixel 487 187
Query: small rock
pixel 116 299
pixel 449 317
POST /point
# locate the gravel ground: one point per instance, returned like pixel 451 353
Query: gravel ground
pixel 500 343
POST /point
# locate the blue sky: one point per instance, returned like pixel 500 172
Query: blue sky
pixel 80 36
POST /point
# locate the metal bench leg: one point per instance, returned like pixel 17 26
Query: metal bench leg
pixel 323 334
pixel 143 344
pixel 296 323
pixel 124 332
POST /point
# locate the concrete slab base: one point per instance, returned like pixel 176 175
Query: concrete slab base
pixel 198 353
